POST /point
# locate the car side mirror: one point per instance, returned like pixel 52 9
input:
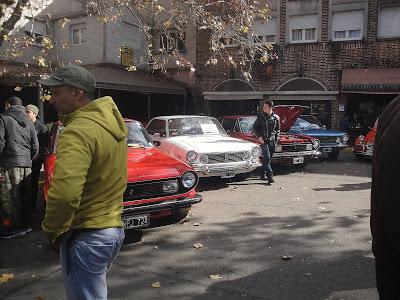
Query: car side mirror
pixel 157 143
pixel 324 127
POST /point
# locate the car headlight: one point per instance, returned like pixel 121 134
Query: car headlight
pixel 191 156
pixel 361 138
pixel 256 152
pixel 338 140
pixel 278 148
pixel 246 155
pixel 203 158
pixel 315 144
pixel 189 180
pixel 345 138
pixel 309 147
pixel 170 186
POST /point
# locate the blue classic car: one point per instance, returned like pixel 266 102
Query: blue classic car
pixel 331 141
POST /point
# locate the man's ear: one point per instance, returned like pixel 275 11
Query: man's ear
pixel 79 93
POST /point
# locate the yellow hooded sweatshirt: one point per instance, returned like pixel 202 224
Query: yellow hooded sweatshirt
pixel 90 174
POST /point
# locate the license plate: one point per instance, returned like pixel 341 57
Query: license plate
pixel 298 160
pixel 228 175
pixel 136 221
pixel 327 150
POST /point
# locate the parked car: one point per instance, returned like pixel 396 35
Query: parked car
pixel 202 142
pixel 364 145
pixel 331 141
pixel 159 186
pixel 292 149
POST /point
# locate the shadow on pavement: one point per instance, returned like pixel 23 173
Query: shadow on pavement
pixel 347 187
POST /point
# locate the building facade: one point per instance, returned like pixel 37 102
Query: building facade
pixel 337 57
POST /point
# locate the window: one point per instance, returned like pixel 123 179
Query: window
pixel 157 126
pixel 389 22
pixel 78 34
pixel 297 34
pixel 229 125
pixel 310 34
pixel 265 31
pixel 303 28
pixel 171 41
pixel 36 29
pixel 347 25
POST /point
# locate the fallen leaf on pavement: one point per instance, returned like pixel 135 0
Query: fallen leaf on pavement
pixel 296 199
pixel 215 276
pixel 197 224
pixel 6 277
pixel 18 89
pixel 322 208
pixel 198 245
pixel 281 188
pixel 287 257
pixel 155 247
pixel 185 222
pixel 40 298
pixel 156 285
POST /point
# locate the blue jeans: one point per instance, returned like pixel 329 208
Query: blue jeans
pixel 85 258
pixel 268 150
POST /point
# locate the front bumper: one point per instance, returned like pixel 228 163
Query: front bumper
pixel 336 146
pixel 221 169
pixel 168 204
pixel 366 150
pixel 283 155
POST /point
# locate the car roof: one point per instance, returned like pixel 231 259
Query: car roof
pixel 238 116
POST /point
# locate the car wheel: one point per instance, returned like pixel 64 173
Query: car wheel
pixel 242 176
pixel 301 166
pixel 333 155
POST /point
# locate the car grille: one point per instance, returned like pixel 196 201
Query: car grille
pixel 146 190
pixel 327 139
pixel 294 148
pixel 217 158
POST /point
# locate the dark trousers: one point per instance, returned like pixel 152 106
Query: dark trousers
pixel 388 280
pixel 36 166
pixel 268 150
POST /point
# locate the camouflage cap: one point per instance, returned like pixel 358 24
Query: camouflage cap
pixel 72 75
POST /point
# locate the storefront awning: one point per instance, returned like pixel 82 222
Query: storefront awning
pixel 274 95
pixel 371 81
pixel 117 78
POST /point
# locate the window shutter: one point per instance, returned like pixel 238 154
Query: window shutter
pixel 389 22
pixel 348 20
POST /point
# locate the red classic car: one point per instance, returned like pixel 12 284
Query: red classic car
pixel 159 186
pixel 291 148
pixel 364 145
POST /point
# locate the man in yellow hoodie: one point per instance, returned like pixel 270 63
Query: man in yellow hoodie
pixel 83 213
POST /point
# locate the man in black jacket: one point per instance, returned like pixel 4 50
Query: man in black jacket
pixel 267 129
pixel 385 204
pixel 18 146
pixel 43 137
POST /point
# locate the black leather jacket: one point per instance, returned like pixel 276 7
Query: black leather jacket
pixel 268 127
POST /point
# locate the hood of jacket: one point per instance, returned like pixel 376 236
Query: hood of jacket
pixel 18 113
pixel 104 112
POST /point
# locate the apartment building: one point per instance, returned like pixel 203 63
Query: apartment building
pixel 337 57
pixel 105 48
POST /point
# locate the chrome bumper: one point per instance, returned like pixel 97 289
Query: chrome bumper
pixel 146 208
pixel 293 154
pixel 223 168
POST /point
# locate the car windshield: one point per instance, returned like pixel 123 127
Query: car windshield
pixel 312 120
pixel 137 136
pixel 246 124
pixel 194 126
pixel 304 122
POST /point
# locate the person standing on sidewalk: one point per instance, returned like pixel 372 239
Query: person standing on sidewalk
pixel 18 146
pixel 43 137
pixel 385 205
pixel 267 129
pixel 84 206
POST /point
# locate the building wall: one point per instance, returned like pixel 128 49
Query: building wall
pixel 322 61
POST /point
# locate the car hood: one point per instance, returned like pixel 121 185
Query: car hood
pixel 320 132
pixel 145 164
pixel 211 143
pixel 288 114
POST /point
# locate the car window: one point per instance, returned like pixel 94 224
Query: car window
pixel 246 124
pixel 157 126
pixel 302 123
pixel 137 136
pixel 229 125
pixel 313 121
pixel 194 126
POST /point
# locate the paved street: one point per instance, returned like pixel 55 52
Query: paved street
pixel 319 217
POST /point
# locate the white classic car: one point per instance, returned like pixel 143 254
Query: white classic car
pixel 203 143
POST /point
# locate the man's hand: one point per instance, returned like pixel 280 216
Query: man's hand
pixel 261 140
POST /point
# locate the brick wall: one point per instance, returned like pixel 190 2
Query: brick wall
pixel 323 61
